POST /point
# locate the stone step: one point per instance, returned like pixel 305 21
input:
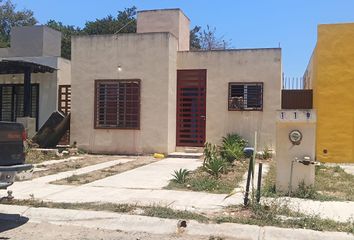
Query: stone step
pixel 185 155
pixel 190 149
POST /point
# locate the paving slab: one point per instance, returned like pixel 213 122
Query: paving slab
pixel 273 233
pixel 152 176
pixel 153 225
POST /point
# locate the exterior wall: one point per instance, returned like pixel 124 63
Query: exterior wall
pixel 64 71
pixel 35 41
pixel 4 52
pixel 333 93
pixel 166 20
pixel 184 32
pixel 148 57
pixel 257 65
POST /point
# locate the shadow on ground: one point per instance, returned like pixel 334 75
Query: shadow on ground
pixel 11 221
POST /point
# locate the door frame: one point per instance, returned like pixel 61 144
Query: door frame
pixel 201 110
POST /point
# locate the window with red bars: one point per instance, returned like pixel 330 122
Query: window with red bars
pixel 246 96
pixel 117 104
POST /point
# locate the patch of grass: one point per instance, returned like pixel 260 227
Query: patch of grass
pixel 331 184
pixel 121 208
pixel 334 182
pixel 164 212
pixel 201 181
pixel 281 216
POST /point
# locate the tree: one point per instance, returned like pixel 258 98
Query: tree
pixel 10 17
pixel 194 38
pixel 125 22
pixel 67 31
pixel 207 39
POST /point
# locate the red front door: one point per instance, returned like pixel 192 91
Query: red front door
pixel 191 107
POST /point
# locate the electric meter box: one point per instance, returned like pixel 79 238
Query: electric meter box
pixel 295 149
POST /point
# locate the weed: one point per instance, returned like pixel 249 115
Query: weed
pixel 279 215
pixel 305 191
pixel 215 238
pixel 180 175
pixel 34 156
pixel 266 153
pixel 73 178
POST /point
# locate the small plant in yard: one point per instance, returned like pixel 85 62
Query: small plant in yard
pixel 210 152
pixel 305 191
pixel 266 153
pixel 215 166
pixel 232 147
pixel 180 175
pixel 73 178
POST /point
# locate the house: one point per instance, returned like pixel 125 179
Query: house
pixel 330 74
pixel 32 74
pixel 146 92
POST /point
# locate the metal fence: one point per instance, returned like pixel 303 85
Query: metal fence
pixel 293 83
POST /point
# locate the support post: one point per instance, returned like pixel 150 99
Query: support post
pixel 27 93
pixel 259 182
pixel 249 176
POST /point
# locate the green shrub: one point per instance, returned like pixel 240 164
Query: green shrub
pixel 305 191
pixel 215 166
pixel 180 175
pixel 210 152
pixel 232 147
pixel 205 183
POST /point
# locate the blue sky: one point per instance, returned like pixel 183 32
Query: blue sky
pixel 248 23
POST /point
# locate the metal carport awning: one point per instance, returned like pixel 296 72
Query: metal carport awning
pixel 26 68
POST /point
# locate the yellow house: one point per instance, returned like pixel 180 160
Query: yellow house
pixel 330 74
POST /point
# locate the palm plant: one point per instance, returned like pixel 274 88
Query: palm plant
pixel 180 175
pixel 215 166
pixel 232 147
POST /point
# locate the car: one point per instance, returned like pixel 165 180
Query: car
pixel 12 152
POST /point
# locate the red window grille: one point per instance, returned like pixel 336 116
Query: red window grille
pixel 117 104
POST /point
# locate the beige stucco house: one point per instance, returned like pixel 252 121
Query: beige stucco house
pixel 147 92
pixel 31 75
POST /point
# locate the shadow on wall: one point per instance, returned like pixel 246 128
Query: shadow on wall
pixel 11 221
